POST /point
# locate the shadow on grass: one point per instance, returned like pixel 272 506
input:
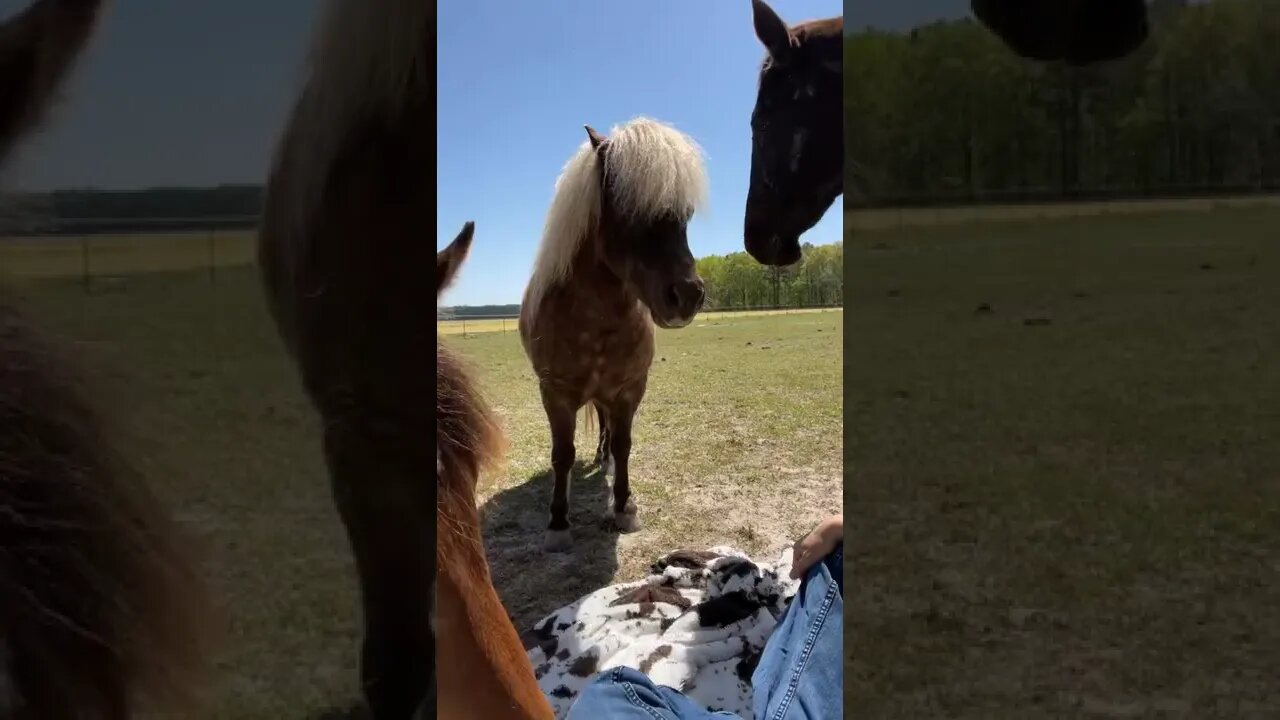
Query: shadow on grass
pixel 531 581
pixel 355 711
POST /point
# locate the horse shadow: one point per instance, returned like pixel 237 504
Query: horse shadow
pixel 531 581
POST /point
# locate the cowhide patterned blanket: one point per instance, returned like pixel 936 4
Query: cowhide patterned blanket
pixel 697 623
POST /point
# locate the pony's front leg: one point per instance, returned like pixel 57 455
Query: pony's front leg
pixel 563 421
pixel 625 514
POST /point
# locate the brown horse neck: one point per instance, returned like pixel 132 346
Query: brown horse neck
pixel 483 672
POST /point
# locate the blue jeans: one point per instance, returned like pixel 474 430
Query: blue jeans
pixel 800 675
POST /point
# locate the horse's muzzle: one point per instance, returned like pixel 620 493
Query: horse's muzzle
pixel 772 248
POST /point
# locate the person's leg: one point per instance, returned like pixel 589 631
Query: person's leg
pixel 624 693
pixel 801 670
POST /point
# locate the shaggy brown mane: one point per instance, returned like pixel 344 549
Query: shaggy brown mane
pixel 100 605
pixel 469 624
pixel 467 434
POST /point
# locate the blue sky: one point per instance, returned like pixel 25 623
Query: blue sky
pixel 519 79
pixel 173 92
pixel 191 92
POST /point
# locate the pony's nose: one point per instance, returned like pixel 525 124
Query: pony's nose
pixel 686 296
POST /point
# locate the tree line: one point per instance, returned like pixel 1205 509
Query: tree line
pixel 737 281
pixel 946 113
pixel 160 208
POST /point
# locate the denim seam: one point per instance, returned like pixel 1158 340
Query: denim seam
pixel 792 685
pixel 629 691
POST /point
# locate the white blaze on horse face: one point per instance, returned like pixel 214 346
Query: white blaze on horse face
pixel 806 91
pixel 797 147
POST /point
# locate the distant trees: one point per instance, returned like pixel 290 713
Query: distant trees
pixel 161 208
pixel 737 281
pixel 946 111
pixel 460 311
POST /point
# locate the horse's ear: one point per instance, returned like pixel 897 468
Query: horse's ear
pixel 596 138
pixel 450 259
pixel 38 48
pixel 772 31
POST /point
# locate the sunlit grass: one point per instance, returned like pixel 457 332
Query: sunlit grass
pixel 1062 467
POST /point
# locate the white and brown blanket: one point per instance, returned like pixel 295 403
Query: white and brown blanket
pixel 697 623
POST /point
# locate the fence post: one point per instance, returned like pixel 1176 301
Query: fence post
pixel 464 326
pixel 84 262
pixel 213 259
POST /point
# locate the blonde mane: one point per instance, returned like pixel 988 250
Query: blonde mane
pixel 654 170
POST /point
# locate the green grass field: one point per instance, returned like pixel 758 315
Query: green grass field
pixel 1062 466
pixel 1062 472
pixel 738 442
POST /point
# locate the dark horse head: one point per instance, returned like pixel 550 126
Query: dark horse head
pixel 643 232
pixel 1078 32
pixel 797 146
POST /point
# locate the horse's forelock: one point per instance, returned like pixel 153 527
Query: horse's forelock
pixel 654 171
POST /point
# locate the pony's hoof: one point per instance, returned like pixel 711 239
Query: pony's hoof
pixel 558 541
pixel 627 522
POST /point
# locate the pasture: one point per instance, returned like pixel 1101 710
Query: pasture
pixel 1062 467
pixel 738 442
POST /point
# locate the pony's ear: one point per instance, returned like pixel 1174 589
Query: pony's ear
pixel 450 259
pixel 596 138
pixel 772 31
pixel 38 48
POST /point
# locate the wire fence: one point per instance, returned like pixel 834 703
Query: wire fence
pixel 937 211
pixel 102 261
pixel 470 325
